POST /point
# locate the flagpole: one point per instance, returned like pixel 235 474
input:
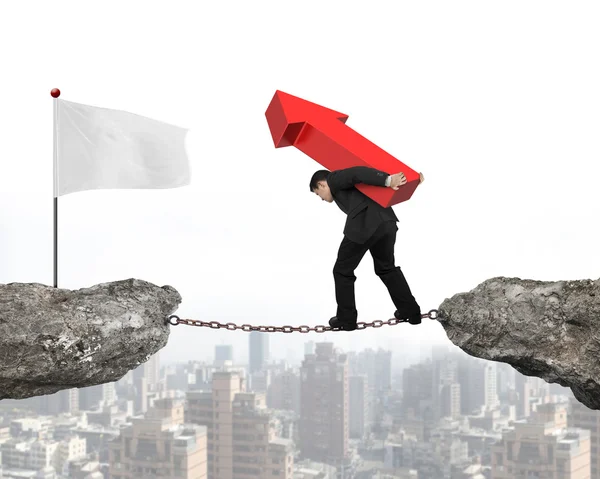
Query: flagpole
pixel 55 94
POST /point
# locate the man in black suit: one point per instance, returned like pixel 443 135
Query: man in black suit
pixel 369 227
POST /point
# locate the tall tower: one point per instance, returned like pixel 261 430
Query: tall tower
pixel 324 405
pixel 66 400
pixel 523 393
pixel 241 441
pixel 444 385
pixel 588 419
pixel 490 386
pixel 417 380
pixel 223 352
pixel 223 355
pixel 309 347
pixel 259 351
pixel 358 405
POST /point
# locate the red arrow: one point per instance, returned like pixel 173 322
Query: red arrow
pixel 323 135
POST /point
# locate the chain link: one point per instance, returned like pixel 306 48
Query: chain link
pixel 174 320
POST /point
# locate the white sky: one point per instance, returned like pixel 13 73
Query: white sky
pixel 495 102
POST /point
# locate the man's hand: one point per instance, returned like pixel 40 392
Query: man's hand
pixel 397 180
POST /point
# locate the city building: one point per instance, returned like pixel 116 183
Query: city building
pixel 588 419
pixel 159 445
pixel 324 406
pixel 542 447
pixel 417 385
pixel 240 440
pixel 284 391
pixel 358 404
pixel 223 352
pixel 259 351
pixel 65 401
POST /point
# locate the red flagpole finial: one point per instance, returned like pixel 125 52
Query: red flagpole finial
pixel 55 93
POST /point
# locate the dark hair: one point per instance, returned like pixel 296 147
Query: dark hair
pixel 318 176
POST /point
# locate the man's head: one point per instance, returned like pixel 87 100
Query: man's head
pixel 319 186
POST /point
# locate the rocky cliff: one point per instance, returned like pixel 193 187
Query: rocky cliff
pixel 53 339
pixel 541 328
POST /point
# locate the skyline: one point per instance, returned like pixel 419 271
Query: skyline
pixel 424 404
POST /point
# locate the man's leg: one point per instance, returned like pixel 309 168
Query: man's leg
pixel 349 256
pixel 382 251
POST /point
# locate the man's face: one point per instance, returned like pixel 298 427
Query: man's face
pixel 323 191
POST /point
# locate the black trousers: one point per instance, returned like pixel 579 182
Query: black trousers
pixel 381 246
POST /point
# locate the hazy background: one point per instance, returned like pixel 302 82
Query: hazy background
pixel 497 103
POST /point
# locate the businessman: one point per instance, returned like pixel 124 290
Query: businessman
pixel 369 227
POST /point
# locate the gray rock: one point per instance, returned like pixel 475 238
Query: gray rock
pixel 548 329
pixel 53 339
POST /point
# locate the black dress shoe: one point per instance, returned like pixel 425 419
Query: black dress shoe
pixel 414 318
pixel 343 325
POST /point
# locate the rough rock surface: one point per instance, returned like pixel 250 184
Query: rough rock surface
pixel 546 329
pixel 53 339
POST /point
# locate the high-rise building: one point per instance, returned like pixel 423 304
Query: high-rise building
pixel 523 391
pixel 145 379
pixel 65 401
pixel 468 403
pixel 159 445
pixel 377 365
pixel 478 384
pixel 358 406
pixel 259 351
pixel 93 397
pixel 150 371
pixel 444 373
pixel 416 389
pixel 324 405
pixel 543 447
pixel 223 352
pixel 260 381
pixel 241 442
pixel 505 380
pixel 450 400
pixel 70 448
pixel 223 356
pixel 490 386
pixel 284 391
pixel 530 391
pixel 203 378
pixel 582 417
pixel 140 394
pixel 541 389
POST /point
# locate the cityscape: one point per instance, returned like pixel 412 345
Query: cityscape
pixel 334 414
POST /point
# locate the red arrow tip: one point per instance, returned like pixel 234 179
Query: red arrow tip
pixel 287 114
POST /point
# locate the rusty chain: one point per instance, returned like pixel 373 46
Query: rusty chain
pixel 432 314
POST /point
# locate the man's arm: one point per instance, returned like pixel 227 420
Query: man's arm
pixel 348 177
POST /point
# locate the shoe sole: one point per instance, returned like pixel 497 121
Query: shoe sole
pixel 344 326
pixel 410 320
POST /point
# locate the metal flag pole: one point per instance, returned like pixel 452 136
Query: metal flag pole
pixel 55 94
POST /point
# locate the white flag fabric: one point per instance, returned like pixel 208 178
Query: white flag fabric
pixel 100 148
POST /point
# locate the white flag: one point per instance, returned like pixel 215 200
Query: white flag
pixel 99 148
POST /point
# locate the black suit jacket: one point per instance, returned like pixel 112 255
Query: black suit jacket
pixel 364 214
